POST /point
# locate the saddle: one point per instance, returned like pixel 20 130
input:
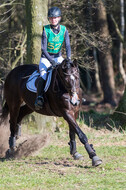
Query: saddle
pixel 32 81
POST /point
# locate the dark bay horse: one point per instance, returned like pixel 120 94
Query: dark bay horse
pixel 61 99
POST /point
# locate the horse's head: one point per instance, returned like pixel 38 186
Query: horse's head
pixel 69 74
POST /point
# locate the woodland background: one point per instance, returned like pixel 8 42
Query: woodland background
pixel 97 33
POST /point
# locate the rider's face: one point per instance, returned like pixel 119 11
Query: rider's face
pixel 54 20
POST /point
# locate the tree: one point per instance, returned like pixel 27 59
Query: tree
pixel 85 41
pixel 121 69
pixel 36 14
pixel 105 58
pixel 119 115
pixel 13 37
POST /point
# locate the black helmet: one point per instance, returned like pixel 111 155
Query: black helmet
pixel 54 12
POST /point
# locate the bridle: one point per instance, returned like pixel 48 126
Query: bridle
pixel 71 74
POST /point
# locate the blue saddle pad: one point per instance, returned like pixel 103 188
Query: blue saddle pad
pixel 30 84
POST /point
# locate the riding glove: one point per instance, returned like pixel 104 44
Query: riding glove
pixel 54 64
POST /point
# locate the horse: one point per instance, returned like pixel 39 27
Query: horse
pixel 62 99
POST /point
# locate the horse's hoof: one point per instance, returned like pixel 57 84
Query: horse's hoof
pixel 96 161
pixel 10 153
pixel 78 156
pixel 17 137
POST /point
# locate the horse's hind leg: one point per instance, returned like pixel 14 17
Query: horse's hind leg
pixel 24 110
pixel 14 111
pixel 16 115
pixel 72 143
pixel 18 130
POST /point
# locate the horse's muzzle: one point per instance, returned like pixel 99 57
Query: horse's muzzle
pixel 75 99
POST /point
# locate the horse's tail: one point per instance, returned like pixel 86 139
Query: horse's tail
pixel 5 112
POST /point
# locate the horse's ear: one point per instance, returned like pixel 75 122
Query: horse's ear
pixel 75 63
pixel 63 64
pixel 64 61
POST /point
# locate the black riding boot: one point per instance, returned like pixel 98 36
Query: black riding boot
pixel 40 91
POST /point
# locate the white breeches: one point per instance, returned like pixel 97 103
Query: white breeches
pixel 44 64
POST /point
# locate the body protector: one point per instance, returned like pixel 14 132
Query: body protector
pixel 54 41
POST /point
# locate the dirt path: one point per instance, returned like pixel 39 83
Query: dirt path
pixel 26 145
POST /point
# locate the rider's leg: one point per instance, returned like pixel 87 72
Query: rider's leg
pixel 44 64
pixel 40 91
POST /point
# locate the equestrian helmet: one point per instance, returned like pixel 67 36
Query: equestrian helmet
pixel 54 12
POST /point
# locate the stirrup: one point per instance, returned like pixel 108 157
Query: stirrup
pixel 39 102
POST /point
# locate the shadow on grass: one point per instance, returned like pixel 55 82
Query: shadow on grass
pixel 62 163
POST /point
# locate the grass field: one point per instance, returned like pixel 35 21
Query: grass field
pixel 52 167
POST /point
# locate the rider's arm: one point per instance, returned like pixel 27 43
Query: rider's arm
pixel 44 47
pixel 67 45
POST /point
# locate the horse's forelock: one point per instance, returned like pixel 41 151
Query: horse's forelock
pixel 67 67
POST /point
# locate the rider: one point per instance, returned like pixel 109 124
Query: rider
pixel 53 37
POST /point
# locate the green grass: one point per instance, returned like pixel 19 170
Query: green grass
pixel 53 167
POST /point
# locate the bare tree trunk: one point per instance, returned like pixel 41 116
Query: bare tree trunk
pixel 119 116
pixel 49 3
pixel 97 78
pixel 121 69
pixel 105 58
pixel 87 14
pixel 36 11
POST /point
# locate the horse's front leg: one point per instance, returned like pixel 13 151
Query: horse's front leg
pixel 69 117
pixel 72 143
